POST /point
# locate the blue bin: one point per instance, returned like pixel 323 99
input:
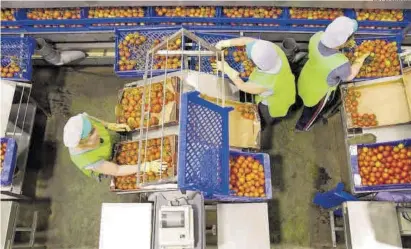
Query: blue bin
pixel 18 50
pixel 9 164
pixel 264 159
pixel 203 153
pixel 397 38
pixel 140 53
pixel 357 188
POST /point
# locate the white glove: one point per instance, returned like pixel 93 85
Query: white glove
pixel 118 127
pixel 231 73
pixel 154 166
pixel 223 44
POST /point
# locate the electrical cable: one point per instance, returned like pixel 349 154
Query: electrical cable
pixel 406 216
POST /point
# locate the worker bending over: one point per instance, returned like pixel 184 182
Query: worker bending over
pixel 90 146
pixel 272 80
pixel 326 68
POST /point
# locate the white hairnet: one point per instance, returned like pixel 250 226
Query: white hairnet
pixel 265 57
pixel 72 131
pixel 338 32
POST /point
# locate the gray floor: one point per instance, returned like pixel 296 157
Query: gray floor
pixel 302 164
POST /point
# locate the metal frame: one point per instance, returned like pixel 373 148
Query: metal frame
pixel 143 134
pixel 21 130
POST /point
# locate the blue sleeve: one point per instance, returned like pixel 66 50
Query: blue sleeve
pixel 341 73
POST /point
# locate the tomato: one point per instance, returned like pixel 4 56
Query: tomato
pixel 396 149
pixel 389 159
pixel 378 174
pixel 385 153
pixel 395 181
pixel 380 148
pixel 404 175
pixel 401 146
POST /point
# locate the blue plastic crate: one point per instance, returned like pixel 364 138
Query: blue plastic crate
pixel 357 188
pixel 18 15
pixel 18 50
pixel 140 53
pixel 205 61
pixel 397 38
pixel 9 163
pixel 111 22
pixel 321 23
pixel 264 159
pixel 203 146
pixel 53 24
pixel 390 24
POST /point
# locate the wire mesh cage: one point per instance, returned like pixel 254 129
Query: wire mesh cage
pixel 16 55
pixel 167 149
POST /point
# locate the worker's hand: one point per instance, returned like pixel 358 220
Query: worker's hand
pixel 154 166
pixel 223 44
pixel 362 58
pixel 230 72
pixel 218 65
pixel 118 127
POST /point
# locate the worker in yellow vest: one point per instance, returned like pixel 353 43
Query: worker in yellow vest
pixel 272 80
pixel 326 68
pixel 90 146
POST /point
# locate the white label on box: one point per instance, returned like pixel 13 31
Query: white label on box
pixel 353 150
pixel 357 180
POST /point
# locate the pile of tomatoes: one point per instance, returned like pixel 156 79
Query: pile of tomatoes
pixel 351 107
pixel 8 15
pixel 252 12
pixel 247 177
pixel 240 55
pixel 182 11
pixel 247 111
pixel 128 155
pixel 385 164
pixel 127 51
pixel 132 103
pixel 315 13
pixel 2 153
pixel 10 71
pixel 380 15
pixel 383 58
pixel 170 61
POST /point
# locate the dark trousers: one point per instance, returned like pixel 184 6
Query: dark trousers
pixel 311 115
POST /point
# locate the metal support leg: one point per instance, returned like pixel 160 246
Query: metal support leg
pixel 32 230
pixel 334 229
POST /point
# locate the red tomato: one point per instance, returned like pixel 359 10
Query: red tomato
pixel 395 181
pixel 381 148
pixel 385 175
pixel 385 153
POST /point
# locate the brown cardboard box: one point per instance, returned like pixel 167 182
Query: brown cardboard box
pixel 243 132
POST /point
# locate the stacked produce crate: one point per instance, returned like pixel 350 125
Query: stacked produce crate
pixel 287 19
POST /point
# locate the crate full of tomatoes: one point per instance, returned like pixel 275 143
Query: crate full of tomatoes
pixel 381 166
pixel 8 155
pixel 159 97
pixel 132 47
pixel 250 178
pixel 127 153
pixel 383 60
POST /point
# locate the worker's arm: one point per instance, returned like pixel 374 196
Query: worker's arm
pixel 109 168
pixel 356 66
pixel 110 126
pixel 242 41
pixel 248 87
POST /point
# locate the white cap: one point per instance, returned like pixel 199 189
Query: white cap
pixel 265 57
pixel 338 32
pixel 72 131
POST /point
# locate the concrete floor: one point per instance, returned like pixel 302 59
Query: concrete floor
pixel 302 164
